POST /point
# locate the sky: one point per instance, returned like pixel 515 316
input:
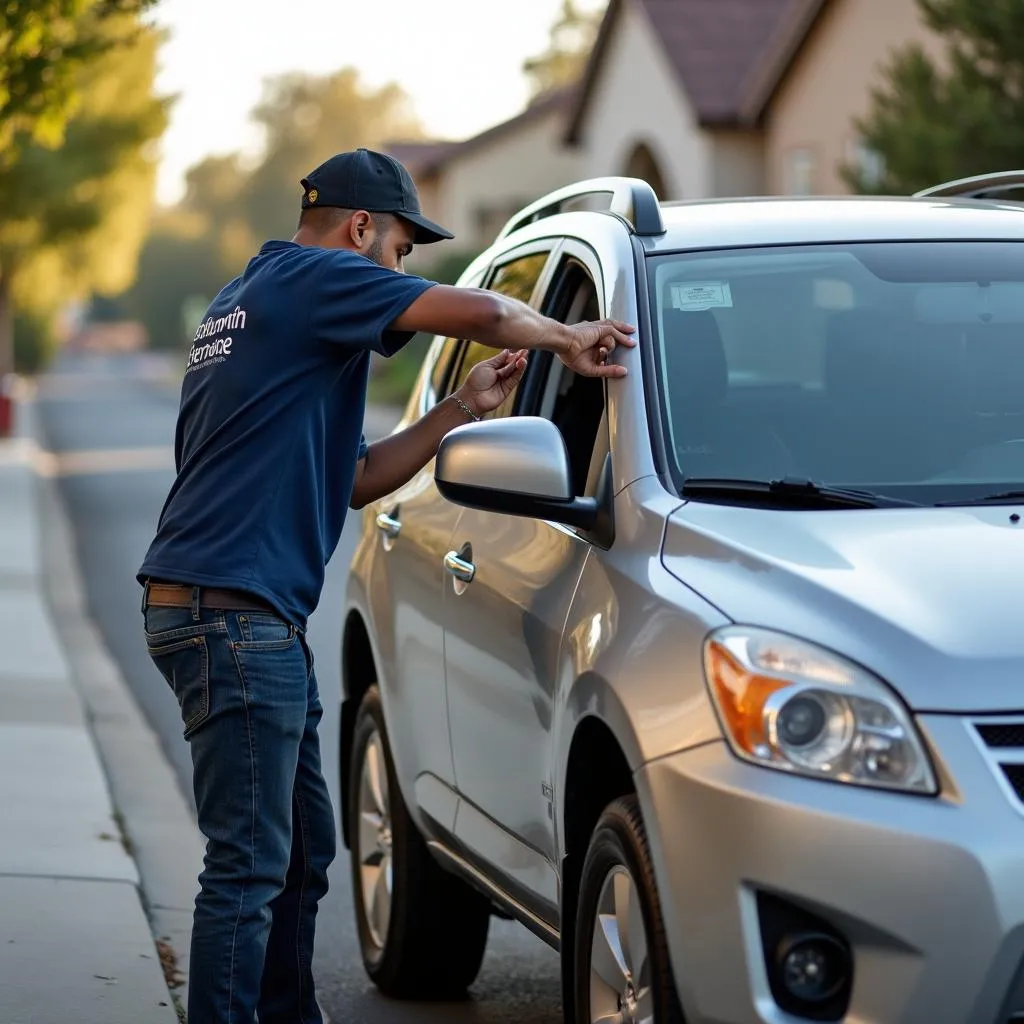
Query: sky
pixel 459 60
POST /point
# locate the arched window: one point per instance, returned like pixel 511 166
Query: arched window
pixel 641 164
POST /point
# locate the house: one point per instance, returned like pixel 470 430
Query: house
pixel 702 98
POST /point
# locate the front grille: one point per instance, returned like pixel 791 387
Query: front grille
pixel 1005 743
pixel 1003 734
pixel 1015 776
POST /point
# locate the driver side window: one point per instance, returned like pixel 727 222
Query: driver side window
pixel 575 404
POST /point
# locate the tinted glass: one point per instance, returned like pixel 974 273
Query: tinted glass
pixel 519 277
pixel 442 370
pixel 893 366
pixel 518 280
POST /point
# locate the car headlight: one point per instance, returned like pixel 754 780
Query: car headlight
pixel 788 704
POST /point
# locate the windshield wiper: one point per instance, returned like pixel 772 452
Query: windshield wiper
pixel 795 490
pixel 1009 497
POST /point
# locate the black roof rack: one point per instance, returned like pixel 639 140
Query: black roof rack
pixel 633 199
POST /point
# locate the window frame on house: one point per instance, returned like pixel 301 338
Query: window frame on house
pixel 792 170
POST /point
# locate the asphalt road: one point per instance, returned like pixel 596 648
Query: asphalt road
pixel 111 418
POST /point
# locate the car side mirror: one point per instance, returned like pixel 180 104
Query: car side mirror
pixel 515 465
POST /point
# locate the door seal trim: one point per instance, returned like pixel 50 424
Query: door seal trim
pixel 539 927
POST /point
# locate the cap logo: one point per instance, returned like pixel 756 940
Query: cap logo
pixel 313 195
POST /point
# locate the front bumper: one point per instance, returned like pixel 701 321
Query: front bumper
pixel 927 891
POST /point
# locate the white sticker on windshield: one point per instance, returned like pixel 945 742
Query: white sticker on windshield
pixel 702 295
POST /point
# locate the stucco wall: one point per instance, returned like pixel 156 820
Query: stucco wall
pixel 829 86
pixel 637 99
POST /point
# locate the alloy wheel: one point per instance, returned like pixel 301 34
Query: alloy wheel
pixel 620 983
pixel 375 841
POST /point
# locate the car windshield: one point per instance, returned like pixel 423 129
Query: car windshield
pixel 894 367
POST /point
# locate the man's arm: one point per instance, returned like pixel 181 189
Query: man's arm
pixel 501 322
pixel 395 460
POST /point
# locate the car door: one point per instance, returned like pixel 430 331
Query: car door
pixel 503 629
pixel 413 531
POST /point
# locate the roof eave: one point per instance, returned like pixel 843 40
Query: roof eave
pixel 768 74
pixel 574 130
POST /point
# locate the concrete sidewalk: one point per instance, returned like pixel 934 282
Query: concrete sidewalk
pixel 75 941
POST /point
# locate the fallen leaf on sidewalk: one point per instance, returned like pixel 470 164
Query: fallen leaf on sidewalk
pixel 169 962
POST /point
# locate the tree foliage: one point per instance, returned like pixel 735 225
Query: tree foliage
pixel 45 44
pixel 934 120
pixel 72 219
pixel 572 38
pixel 231 205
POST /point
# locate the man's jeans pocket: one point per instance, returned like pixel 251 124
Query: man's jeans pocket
pixel 183 657
pixel 265 632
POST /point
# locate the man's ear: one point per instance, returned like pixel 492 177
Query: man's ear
pixel 360 229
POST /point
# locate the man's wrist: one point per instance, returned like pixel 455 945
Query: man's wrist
pixel 558 339
pixel 465 403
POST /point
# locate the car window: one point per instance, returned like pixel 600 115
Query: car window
pixel 893 366
pixel 518 279
pixel 573 403
pixel 442 370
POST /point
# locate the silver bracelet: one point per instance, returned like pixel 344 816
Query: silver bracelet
pixel 465 408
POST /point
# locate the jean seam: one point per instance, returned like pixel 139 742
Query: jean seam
pixel 304 832
pixel 252 833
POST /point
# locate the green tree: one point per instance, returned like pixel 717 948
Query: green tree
pixel 45 43
pixel 572 38
pixel 933 121
pixel 72 220
pixel 179 263
pixel 230 208
pixel 306 119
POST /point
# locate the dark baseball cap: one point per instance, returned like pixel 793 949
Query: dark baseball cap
pixel 375 182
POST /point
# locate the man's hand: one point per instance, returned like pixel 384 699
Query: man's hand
pixel 491 381
pixel 591 342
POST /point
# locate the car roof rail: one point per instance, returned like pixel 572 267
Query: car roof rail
pixel 976 187
pixel 633 199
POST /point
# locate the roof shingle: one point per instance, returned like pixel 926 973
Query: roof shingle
pixel 715 45
pixel 728 54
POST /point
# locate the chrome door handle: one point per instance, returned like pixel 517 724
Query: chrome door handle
pixel 388 525
pixel 459 568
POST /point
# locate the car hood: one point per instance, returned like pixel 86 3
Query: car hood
pixel 932 600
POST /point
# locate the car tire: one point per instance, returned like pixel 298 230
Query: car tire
pixel 618 898
pixel 422 931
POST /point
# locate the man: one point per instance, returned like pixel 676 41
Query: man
pixel 269 456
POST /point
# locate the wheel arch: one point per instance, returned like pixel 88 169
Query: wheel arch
pixel 358 674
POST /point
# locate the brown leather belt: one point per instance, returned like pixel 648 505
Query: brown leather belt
pixel 178 595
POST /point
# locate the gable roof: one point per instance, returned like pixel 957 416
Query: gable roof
pixel 728 55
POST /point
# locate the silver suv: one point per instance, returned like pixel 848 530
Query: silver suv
pixel 713 676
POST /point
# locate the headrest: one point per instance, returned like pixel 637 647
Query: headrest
pixel 862 348
pixel 694 356
pixel 873 355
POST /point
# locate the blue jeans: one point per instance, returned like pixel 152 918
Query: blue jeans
pixel 250 706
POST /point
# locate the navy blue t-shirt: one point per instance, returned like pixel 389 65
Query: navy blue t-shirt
pixel 270 425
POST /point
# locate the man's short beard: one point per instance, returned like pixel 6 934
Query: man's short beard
pixel 376 252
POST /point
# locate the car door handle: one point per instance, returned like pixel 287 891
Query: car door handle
pixel 459 567
pixel 389 525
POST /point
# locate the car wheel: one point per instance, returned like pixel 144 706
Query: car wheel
pixel 622 969
pixel 422 931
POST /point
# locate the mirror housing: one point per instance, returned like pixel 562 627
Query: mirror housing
pixel 516 465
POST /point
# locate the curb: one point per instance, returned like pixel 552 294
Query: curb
pixel 158 826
